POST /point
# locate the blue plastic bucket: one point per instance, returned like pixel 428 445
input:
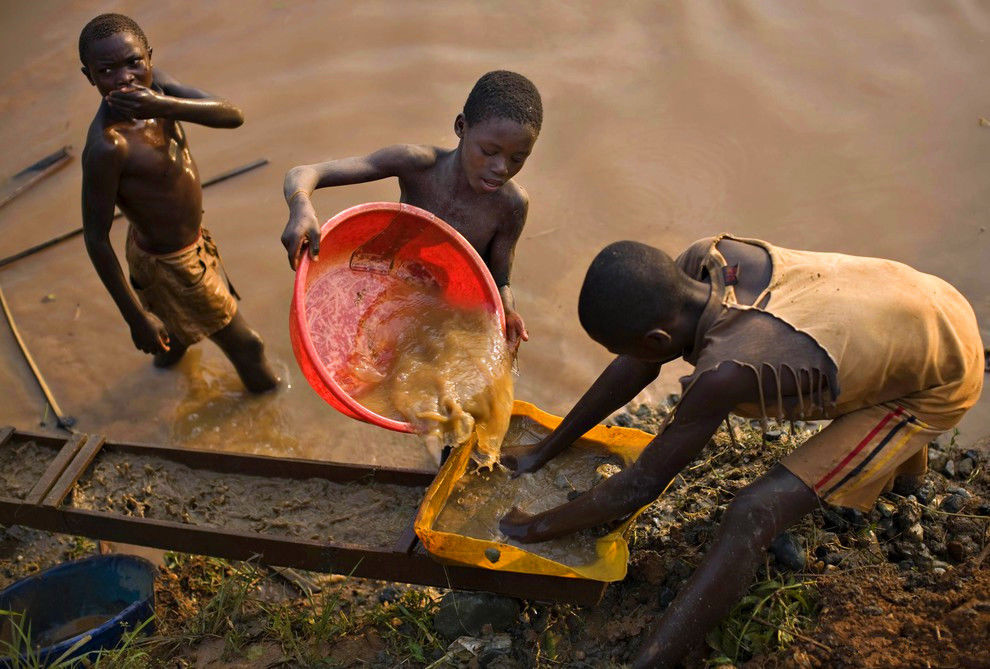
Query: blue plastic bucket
pixel 101 597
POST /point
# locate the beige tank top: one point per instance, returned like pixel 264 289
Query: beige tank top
pixel 867 330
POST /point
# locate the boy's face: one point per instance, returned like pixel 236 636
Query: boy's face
pixel 118 62
pixel 493 151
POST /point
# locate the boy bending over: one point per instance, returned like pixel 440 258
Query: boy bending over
pixel 470 186
pixel 891 355
pixel 137 158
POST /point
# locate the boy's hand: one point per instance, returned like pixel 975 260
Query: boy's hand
pixel 517 524
pixel 303 229
pixel 149 334
pixel 138 102
pixel 524 459
pixel 515 330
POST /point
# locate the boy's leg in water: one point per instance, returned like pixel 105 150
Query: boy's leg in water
pixel 758 513
pixel 172 355
pixel 244 348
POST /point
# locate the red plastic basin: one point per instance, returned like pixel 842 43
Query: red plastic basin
pixel 332 303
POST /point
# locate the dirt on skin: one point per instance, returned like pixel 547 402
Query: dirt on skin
pixel 149 487
pixel 21 465
pixel 480 498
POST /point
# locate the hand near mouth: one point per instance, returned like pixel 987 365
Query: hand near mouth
pixel 137 102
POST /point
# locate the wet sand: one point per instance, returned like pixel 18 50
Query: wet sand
pixel 22 464
pixel 151 487
pixel 814 125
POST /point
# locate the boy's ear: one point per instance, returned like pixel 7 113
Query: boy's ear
pixel 459 124
pixel 85 71
pixel 659 336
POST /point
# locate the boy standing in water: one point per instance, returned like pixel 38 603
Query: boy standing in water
pixel 470 186
pixel 137 158
pixel 891 355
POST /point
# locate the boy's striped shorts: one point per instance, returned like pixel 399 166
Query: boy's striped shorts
pixel 856 457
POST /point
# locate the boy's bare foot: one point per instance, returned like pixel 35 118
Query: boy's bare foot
pixel 171 356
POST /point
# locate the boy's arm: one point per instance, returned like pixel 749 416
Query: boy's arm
pixel 177 102
pixel 621 381
pixel 303 227
pixel 101 175
pixel 500 257
pixel 698 415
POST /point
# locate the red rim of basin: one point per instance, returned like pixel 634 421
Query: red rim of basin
pixel 299 302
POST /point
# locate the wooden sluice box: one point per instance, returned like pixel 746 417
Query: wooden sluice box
pixel 318 516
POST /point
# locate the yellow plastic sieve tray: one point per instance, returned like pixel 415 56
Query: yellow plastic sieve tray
pixel 612 549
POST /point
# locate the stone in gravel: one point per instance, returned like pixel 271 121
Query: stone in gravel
pixel 772 435
pixel 500 644
pixel 787 551
pixel 907 515
pixel 389 594
pixel 873 610
pixel 832 558
pixel 956 490
pixel 955 550
pixel 666 597
pixel 915 533
pixel 953 503
pixel 949 469
pixel 885 508
pixel 925 493
pixel 465 613
pixel 493 555
pixel 964 467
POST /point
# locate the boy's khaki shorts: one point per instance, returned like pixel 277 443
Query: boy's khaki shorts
pixel 186 289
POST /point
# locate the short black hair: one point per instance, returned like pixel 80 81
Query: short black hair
pixel 106 25
pixel 504 94
pixel 629 289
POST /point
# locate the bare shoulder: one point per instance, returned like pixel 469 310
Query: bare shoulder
pixel 514 204
pixel 412 157
pixel 105 146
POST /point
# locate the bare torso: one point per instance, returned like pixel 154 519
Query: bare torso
pixel 159 189
pixel 478 217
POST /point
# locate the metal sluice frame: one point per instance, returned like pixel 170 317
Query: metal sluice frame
pixel 43 508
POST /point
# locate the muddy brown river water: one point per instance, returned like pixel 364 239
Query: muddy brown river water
pixel 851 127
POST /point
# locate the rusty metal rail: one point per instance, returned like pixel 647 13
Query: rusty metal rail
pixel 44 508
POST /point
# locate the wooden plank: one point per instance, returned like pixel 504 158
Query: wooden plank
pixel 84 456
pixel 342 559
pixel 55 469
pixel 32 174
pixel 263 465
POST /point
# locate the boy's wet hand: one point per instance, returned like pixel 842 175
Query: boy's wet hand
pixel 149 334
pixel 515 330
pixel 517 524
pixel 523 459
pixel 302 231
pixel 137 102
